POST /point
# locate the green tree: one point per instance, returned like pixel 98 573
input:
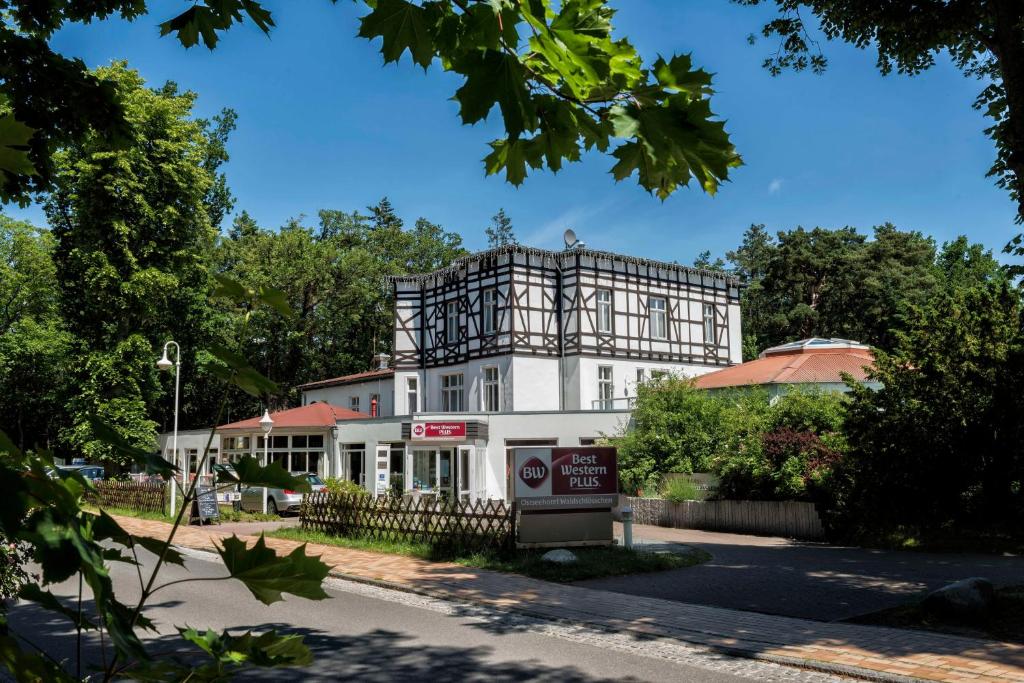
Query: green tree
pixel 34 345
pixel 132 224
pixel 832 283
pixel 499 232
pixel 939 447
pixel 704 261
pixel 562 83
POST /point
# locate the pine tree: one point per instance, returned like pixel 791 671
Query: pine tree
pixel 500 233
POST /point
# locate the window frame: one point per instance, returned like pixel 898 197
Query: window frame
pixel 353 403
pixel 603 383
pixel 449 389
pixel 657 313
pixel 412 389
pixel 710 315
pixel 489 311
pixel 605 309
pixel 487 386
pixel 451 322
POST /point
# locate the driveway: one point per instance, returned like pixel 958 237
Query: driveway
pixel 808 580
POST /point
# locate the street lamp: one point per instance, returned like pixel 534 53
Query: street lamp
pixel 266 424
pixel 165 364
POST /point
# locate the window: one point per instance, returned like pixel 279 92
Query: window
pixel 640 376
pixel 353 403
pixel 451 393
pixel 316 441
pixel 299 441
pixel 451 322
pixel 412 386
pixel 604 311
pixel 298 463
pixel 490 396
pixel 658 375
pixel 709 324
pixel 374 405
pixel 489 311
pixel 605 387
pixel 656 308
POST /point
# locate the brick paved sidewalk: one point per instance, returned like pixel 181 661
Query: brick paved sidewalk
pixel 866 651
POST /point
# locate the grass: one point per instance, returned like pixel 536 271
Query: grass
pixel 1006 622
pixel 591 563
pixel 227 514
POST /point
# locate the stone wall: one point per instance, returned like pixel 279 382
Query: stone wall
pixel 790 519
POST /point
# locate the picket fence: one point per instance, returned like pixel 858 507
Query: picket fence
pixel 790 519
pixel 128 495
pixel 478 525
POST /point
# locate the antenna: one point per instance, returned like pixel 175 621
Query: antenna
pixel 571 241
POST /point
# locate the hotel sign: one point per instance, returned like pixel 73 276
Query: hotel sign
pixel 560 478
pixel 438 431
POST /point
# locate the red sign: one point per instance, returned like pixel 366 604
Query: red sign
pixel 582 471
pixel 438 431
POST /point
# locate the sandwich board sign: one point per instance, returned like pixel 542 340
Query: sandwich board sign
pixel 565 496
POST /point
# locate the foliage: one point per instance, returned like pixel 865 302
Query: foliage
pixel 333 278
pixel 344 486
pixel 132 224
pixel 837 283
pixel 939 446
pixel 13 574
pixel 680 489
pixel 499 232
pixel 46 513
pixel 765 450
pixel 562 82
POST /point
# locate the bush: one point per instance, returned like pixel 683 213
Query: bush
pixel 344 486
pixel 13 559
pixel 679 489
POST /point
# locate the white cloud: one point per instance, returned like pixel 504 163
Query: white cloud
pixel 775 186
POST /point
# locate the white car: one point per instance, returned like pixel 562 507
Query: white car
pixel 278 500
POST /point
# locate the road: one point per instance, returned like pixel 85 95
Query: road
pixel 806 580
pixel 371 634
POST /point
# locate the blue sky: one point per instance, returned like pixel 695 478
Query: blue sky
pixel 323 124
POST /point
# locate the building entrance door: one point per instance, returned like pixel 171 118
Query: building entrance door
pixel 436 470
pixel 446 473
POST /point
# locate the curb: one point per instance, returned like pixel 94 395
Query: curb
pixel 795 662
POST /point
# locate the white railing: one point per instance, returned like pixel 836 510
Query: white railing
pixel 627 403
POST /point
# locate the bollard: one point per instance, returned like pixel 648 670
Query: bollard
pixel 627 527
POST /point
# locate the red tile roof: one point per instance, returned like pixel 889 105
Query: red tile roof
pixel 350 379
pixel 798 366
pixel 317 414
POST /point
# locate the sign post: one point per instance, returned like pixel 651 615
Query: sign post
pixel 566 495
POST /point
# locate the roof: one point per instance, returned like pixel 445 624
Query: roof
pixel 368 376
pixel 803 362
pixel 316 414
pixel 460 263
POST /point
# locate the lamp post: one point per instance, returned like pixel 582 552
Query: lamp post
pixel 266 424
pixel 165 364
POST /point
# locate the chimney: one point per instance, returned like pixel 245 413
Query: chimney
pixel 381 359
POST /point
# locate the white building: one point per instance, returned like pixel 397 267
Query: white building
pixel 515 347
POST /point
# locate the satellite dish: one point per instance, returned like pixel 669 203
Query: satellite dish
pixel 570 238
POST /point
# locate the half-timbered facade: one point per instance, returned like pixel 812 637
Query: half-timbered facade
pixel 516 328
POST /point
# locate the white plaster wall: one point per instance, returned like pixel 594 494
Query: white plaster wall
pixel 624 378
pixel 341 395
pixel 472 381
pixel 535 384
pixel 735 335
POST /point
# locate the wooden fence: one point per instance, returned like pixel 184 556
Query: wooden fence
pixel 128 495
pixel 476 525
pixel 768 518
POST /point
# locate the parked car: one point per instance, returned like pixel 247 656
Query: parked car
pixel 278 500
pixel 93 472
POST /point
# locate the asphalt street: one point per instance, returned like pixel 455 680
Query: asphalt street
pixel 371 634
pixel 805 580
